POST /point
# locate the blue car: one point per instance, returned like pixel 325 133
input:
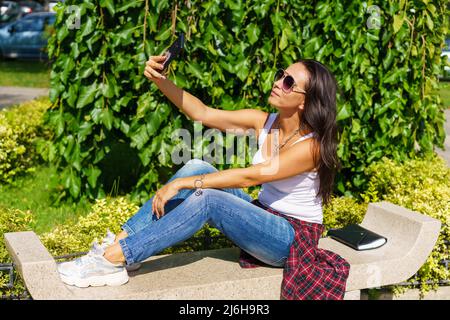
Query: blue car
pixel 25 38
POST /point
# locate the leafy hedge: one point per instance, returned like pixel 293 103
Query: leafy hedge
pixel 20 129
pixel 113 127
pixel 106 213
pixel 423 186
pixel 110 213
pixel 12 220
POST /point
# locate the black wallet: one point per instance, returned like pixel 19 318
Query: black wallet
pixel 357 237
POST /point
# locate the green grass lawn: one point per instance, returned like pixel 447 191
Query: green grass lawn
pixel 33 192
pixel 18 73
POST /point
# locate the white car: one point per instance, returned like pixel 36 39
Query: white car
pixel 52 4
pixel 446 52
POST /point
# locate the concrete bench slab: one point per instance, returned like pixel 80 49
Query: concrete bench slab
pixel 216 274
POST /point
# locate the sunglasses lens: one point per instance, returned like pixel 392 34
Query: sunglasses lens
pixel 288 83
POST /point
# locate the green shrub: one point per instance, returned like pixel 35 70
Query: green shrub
pixel 342 211
pixel 20 127
pixel 111 213
pixel 12 220
pixel 107 213
pixel 422 185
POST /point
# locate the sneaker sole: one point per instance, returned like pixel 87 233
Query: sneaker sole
pixel 133 267
pixel 115 279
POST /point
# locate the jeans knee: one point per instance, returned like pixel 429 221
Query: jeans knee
pixel 199 162
pixel 197 166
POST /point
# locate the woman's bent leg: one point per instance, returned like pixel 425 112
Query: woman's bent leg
pixel 145 216
pixel 265 236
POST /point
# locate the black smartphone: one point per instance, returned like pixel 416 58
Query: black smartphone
pixel 174 50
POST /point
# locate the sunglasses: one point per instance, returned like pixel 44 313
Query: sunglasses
pixel 288 81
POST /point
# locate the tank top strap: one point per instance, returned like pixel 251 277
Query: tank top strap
pixel 266 128
pixel 306 136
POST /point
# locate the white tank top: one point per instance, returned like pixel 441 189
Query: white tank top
pixel 294 196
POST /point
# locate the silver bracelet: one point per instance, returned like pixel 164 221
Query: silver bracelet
pixel 199 191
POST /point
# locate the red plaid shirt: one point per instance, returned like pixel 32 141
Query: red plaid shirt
pixel 310 273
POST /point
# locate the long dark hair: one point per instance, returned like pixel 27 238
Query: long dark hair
pixel 319 114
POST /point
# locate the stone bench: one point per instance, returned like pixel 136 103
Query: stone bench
pixel 216 274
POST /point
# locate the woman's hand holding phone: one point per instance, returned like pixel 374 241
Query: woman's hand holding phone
pixel 154 64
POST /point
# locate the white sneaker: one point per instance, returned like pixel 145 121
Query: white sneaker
pixel 92 270
pixel 109 240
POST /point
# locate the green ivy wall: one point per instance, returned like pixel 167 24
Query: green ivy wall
pixel 112 127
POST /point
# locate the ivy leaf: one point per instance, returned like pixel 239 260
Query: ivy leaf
pixel 58 120
pixel 429 22
pixel 284 40
pixel 53 94
pixel 73 183
pixel 128 4
pixel 108 4
pixel 87 95
pixel 84 131
pixel 107 118
pixel 92 174
pixel 62 33
pixel 344 112
pixel 75 50
pixel 398 22
pixel 154 122
pixel 164 35
pixel 139 138
pixel 242 69
pixel 164 154
pixel 88 27
pixel 387 61
pixel 277 22
pixel 392 76
pixel 69 143
pixel 68 66
pixel 145 155
pixel 73 93
pixel 96 115
pixel 124 127
pixel 75 157
pixel 195 69
pixel 107 90
pixel 253 33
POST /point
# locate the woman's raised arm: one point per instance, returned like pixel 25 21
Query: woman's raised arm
pixel 196 110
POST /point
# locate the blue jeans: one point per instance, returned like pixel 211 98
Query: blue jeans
pixel 263 235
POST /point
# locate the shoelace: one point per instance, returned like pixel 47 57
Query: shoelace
pixel 88 257
pixel 109 239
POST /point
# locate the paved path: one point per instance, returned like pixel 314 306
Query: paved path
pixel 446 154
pixel 13 95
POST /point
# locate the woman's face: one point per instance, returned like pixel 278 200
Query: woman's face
pixel 292 100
